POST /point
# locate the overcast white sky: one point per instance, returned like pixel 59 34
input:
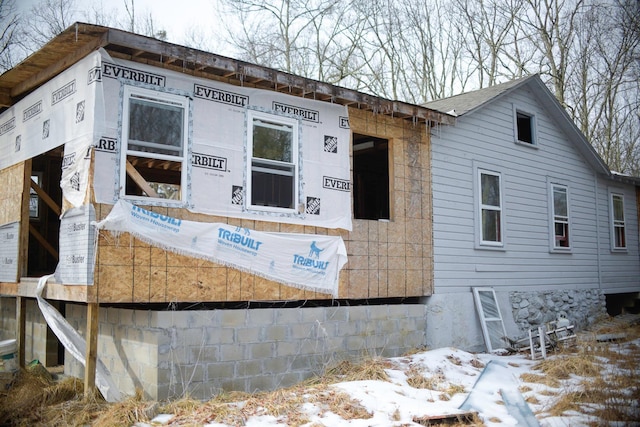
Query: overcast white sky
pixel 174 16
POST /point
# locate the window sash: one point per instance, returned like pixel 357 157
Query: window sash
pixel 560 213
pixel 155 125
pixel 490 206
pixel 618 221
pixel 272 172
pixel 162 136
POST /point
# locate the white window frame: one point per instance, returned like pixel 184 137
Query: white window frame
pixel 616 223
pixel 481 243
pixel 182 156
pixel 532 121
pixel 294 124
pixel 556 218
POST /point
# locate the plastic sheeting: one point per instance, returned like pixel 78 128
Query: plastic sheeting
pixel 304 261
pixel 74 343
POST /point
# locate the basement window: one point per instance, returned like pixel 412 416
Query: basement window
pixel 273 147
pixel 370 177
pixel 155 146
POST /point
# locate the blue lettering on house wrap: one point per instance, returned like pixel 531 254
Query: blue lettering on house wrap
pixel 239 239
pixel 310 262
pixel 157 217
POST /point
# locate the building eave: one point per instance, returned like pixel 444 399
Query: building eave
pixel 80 39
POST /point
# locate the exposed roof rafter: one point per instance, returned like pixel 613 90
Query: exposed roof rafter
pixel 80 39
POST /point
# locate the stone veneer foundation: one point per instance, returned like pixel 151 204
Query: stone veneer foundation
pixel 581 307
pixel 170 354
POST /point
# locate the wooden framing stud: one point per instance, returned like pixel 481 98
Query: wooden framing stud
pixel 21 319
pixel 92 349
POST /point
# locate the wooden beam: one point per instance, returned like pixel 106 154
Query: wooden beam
pixel 21 319
pixel 45 244
pixel 55 69
pixel 140 181
pixel 45 198
pixel 5 97
pixel 92 349
pixel 23 254
pixel 53 291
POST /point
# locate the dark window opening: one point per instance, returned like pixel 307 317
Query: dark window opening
pixel 161 178
pixel 370 177
pixel 44 222
pixel 525 128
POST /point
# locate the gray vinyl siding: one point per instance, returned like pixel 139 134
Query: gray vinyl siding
pixel 618 274
pixel 485 139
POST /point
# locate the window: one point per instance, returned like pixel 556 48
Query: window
pixel 490 208
pixel 618 234
pixel 155 146
pixel 560 216
pixel 370 177
pixel 272 146
pixel 525 127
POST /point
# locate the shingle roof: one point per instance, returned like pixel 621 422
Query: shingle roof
pixel 467 102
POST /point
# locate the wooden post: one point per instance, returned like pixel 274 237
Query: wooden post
pixel 21 319
pixel 92 349
pixel 23 254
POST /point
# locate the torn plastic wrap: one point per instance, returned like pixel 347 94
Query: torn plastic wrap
pixel 74 343
pixel 305 261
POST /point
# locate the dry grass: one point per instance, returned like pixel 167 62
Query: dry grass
pixel 128 412
pixel 370 369
pixel 610 385
pixel 566 365
pixel 609 389
pixel 35 400
pixel 540 379
pixel 416 379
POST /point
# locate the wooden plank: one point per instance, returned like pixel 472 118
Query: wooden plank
pixel 5 97
pixel 466 417
pixel 21 320
pixel 140 181
pixel 45 198
pixel 53 291
pixel 81 50
pixel 40 238
pixel 23 252
pixel 92 349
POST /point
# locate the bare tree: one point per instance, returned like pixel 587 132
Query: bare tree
pixel 491 25
pixel 276 32
pixel 47 19
pixel 433 49
pixel 552 26
pixel 612 80
pixel 9 42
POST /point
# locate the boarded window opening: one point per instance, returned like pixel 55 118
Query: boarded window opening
pixel 370 177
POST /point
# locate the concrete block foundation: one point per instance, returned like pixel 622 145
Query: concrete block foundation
pixel 170 354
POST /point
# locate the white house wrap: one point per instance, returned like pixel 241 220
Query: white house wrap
pixel 218 130
pixel 302 260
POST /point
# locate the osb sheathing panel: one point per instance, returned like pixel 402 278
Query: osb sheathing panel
pixel 12 179
pixel 386 259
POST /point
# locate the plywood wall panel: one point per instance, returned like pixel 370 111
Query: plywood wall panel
pixel 385 258
pixel 12 179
